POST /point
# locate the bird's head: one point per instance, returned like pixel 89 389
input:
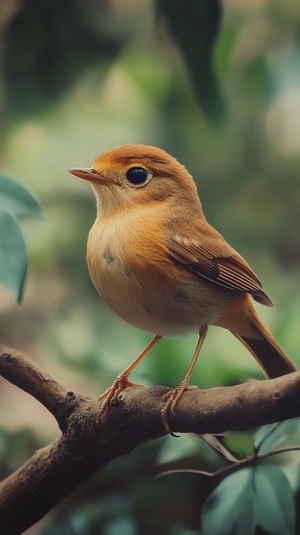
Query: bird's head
pixel 134 175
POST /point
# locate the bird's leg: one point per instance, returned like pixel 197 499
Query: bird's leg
pixel 121 380
pixel 172 397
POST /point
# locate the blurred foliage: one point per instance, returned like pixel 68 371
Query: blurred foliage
pixel 15 201
pixel 15 448
pixel 215 84
pixel 67 40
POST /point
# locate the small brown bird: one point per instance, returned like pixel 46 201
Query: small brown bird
pixel 159 265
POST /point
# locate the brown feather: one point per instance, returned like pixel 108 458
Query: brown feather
pixel 265 349
pixel 208 259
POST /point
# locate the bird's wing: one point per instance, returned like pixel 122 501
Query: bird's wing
pixel 216 261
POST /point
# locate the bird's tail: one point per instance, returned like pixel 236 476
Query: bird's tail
pixel 265 349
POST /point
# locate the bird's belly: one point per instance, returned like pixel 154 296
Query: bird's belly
pixel 153 309
pixel 149 298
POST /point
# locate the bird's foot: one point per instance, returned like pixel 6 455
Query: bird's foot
pixel 171 399
pixel 116 388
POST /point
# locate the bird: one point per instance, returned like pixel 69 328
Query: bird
pixel 158 264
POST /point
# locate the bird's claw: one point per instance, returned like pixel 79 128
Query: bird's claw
pixel 171 399
pixel 119 384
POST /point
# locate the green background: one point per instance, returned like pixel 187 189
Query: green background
pixel 220 92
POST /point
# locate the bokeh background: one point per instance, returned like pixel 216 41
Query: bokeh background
pixel 219 88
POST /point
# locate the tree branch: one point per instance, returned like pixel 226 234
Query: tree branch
pixel 89 439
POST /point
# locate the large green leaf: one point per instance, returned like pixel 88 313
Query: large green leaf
pixel 194 25
pixel 274 508
pixel 254 496
pixel 229 509
pixel 13 256
pixel 17 199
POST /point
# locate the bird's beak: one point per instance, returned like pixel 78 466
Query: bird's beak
pixel 90 174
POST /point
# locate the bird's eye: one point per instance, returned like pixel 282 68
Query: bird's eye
pixel 137 175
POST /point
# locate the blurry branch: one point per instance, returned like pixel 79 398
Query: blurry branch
pixel 89 440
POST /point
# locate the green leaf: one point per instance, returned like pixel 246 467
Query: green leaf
pixel 229 509
pixel 254 496
pixel 17 199
pixel 194 26
pixel 13 256
pixel 274 508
